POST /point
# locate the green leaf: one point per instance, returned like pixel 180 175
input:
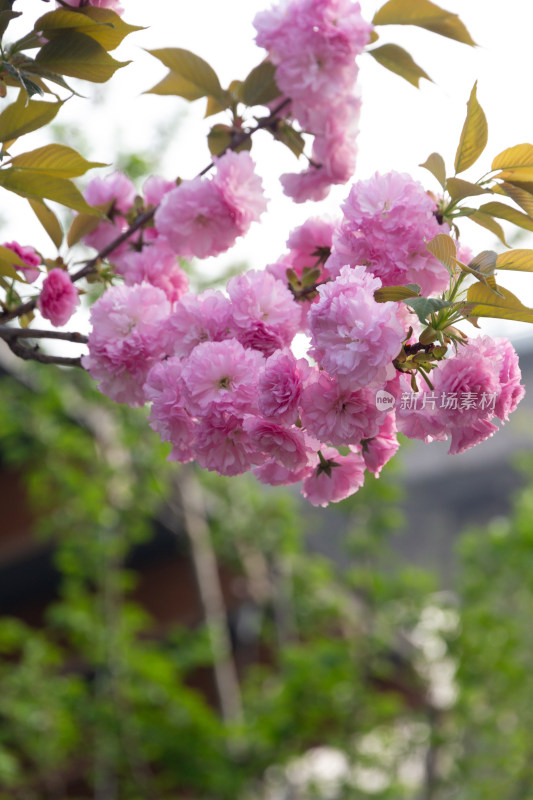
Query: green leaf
pixel 502 211
pixel 458 189
pixel 39 186
pixel 519 176
pixel 395 293
pixel 516 193
pixel 20 118
pixel 485 221
pixel 399 61
pixel 519 260
pixel 521 155
pixel 190 76
pixel 423 14
pixel 259 87
pixel 286 134
pixel 435 164
pixel 81 226
pixel 424 306
pixel 484 303
pixel 55 159
pixel 48 220
pixel 79 56
pixel 473 136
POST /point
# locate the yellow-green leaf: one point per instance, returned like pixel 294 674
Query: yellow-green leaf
pixel 521 177
pixel 484 262
pixel 458 189
pixel 55 159
pixel 79 56
pixel 190 76
pixel 7 270
pixel 435 164
pixel 259 87
pixel 216 105
pixel 473 136
pixel 521 155
pixel 48 220
pixel 112 28
pixel 488 222
pixel 101 24
pixel 81 226
pixel 19 118
pixel 399 61
pixel 519 260
pixel 443 247
pixel 423 14
pixel 39 186
pixel 502 211
pixel 395 293
pixel 6 254
pixel 516 193
pixel 485 303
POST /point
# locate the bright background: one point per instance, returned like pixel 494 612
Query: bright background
pixel 400 125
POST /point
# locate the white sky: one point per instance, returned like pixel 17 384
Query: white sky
pixel 400 125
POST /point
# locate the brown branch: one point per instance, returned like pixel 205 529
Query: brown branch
pixel 28 353
pixel 8 334
pixel 146 216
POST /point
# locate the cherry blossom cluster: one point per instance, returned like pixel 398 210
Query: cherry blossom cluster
pixel 313 44
pixel 219 368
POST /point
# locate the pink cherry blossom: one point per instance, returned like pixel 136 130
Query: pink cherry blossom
pixel 113 5
pixel 334 478
pixel 257 297
pixel 115 188
pixel 471 388
pixel 58 298
pixel 285 445
pixel 280 386
pixel 354 338
pixel 199 318
pixel 156 264
pixel 204 216
pixel 29 256
pixel 223 445
pixel 387 221
pixel 222 374
pixel 378 450
pixel 336 414
pixel 168 415
pixel 128 337
pixel 240 187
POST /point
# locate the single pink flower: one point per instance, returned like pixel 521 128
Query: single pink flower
pixel 58 298
pixel 334 477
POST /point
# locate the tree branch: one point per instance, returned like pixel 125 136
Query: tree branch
pixel 32 353
pixel 9 334
pixel 146 216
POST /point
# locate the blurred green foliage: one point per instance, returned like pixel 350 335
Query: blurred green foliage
pixel 337 660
